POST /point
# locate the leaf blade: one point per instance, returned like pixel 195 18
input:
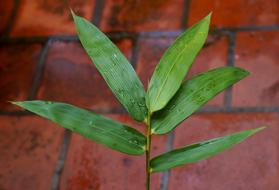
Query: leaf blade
pixel 198 151
pixel 89 124
pixel 194 93
pixel 114 67
pixel 174 65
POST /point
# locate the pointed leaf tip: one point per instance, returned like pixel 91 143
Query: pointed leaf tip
pixel 199 151
pixel 174 65
pixel 72 12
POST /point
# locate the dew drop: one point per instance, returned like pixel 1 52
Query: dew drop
pixel 126 131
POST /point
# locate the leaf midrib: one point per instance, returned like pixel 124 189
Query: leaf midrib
pixel 109 131
pixel 167 75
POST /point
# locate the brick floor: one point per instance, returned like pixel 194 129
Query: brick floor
pixel 42 59
pixel 47 17
pixel 6 13
pixel 29 148
pixel 258 53
pixel 236 13
pixel 132 15
pixel 17 69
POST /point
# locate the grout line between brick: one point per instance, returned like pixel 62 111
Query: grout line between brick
pixel 185 15
pixel 230 62
pixel 97 12
pixel 39 71
pixel 174 33
pixel 135 48
pixel 164 185
pixel 12 18
pixel 61 160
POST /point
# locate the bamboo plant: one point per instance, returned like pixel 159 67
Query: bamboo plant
pixel 169 99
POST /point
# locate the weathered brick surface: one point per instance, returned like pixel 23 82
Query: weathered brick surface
pixel 213 55
pixel 145 15
pixel 71 77
pixel 93 166
pixel 48 17
pixel 236 13
pixel 252 164
pixel 17 69
pixel 29 148
pixel 6 13
pixel 258 53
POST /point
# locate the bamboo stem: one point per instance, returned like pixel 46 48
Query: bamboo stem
pixel 147 151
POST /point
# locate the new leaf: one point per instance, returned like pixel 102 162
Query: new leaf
pixel 198 151
pixel 114 67
pixel 174 65
pixel 193 94
pixel 90 125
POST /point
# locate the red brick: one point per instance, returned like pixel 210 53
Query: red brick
pixel 17 68
pixel 29 148
pixel 212 55
pixel 236 13
pixel 6 9
pixel 71 77
pixel 49 17
pixel 93 166
pixel 253 164
pixel 144 15
pixel 257 52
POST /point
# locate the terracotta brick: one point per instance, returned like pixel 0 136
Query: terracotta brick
pixel 253 164
pixel 71 77
pixel 236 13
pixel 29 148
pixel 17 68
pixel 212 55
pixel 93 166
pixel 257 52
pixel 144 15
pixel 51 17
pixel 6 9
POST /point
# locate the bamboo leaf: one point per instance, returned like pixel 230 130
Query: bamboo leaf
pixel 114 67
pixel 193 94
pixel 90 125
pixel 174 65
pixel 199 151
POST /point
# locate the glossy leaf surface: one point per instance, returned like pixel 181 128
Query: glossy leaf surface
pixel 114 67
pixel 194 93
pixel 198 151
pixel 90 125
pixel 174 65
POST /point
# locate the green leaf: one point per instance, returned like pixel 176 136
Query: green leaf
pixel 90 125
pixel 198 151
pixel 114 67
pixel 192 95
pixel 174 65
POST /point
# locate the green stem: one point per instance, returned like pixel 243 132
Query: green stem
pixel 147 151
